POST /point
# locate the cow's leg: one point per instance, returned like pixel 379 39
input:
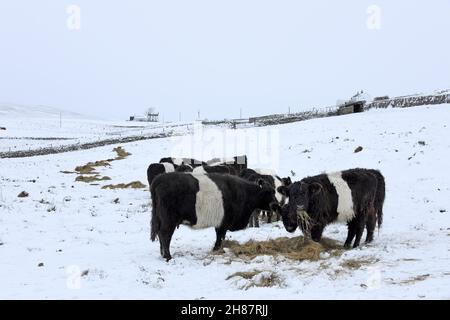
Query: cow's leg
pixel 220 235
pixel 269 216
pixel 251 221
pixel 278 216
pixel 254 219
pixel 165 236
pixel 316 233
pixel 350 234
pixel 360 224
pixel 370 227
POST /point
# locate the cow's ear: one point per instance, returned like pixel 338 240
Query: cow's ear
pixel 260 183
pixel 283 190
pixel 287 181
pixel 315 187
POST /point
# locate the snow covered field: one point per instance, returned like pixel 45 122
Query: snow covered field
pixel 35 127
pixel 71 239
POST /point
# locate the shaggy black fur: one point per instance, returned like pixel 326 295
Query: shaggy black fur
pixel 174 197
pixel 318 197
pixel 154 170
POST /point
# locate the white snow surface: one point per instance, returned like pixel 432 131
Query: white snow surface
pixel 93 248
pixel 36 127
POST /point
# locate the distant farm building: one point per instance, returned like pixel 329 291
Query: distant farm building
pixel 351 107
pixel 151 117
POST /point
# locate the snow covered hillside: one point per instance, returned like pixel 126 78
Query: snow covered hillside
pixel 70 239
pixel 37 127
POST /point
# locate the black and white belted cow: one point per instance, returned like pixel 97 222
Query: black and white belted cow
pixel 354 197
pixel 224 202
pixel 179 161
pixel 236 163
pixel 169 164
pixel 271 179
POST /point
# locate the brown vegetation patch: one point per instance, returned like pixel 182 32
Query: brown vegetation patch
pixel 258 278
pixel 297 248
pixel 89 179
pixel 132 185
pixel 415 279
pixel 121 153
pixel 355 264
pixel 89 168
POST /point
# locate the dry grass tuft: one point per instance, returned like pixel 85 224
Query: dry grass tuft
pixel 121 153
pixel 86 169
pixel 258 278
pixel 297 248
pixel 415 279
pixel 132 185
pixel 355 264
pixel 89 179
pixel 244 274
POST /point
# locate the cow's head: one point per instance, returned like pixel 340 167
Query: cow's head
pixel 304 197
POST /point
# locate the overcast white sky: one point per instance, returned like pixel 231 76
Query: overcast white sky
pixel 218 56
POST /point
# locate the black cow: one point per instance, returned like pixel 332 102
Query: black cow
pixel 224 202
pixel 238 163
pixel 179 161
pixel 354 197
pixel 272 181
pixel 156 169
pixel 246 173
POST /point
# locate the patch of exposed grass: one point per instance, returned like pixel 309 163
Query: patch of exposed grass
pixel 89 168
pixel 132 185
pixel 355 264
pixel 121 153
pixel 244 274
pixel 415 279
pixel 68 172
pixel 89 179
pixel 297 248
pixel 258 278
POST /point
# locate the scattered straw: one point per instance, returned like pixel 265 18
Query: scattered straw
pixel 297 248
pixel 89 179
pixel 132 185
pixel 258 278
pixel 355 264
pixel 121 153
pixel 86 169
pixel 68 172
pixel 304 221
pixel 415 279
pixel 244 274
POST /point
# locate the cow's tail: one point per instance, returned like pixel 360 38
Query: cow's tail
pixel 379 197
pixel 156 221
